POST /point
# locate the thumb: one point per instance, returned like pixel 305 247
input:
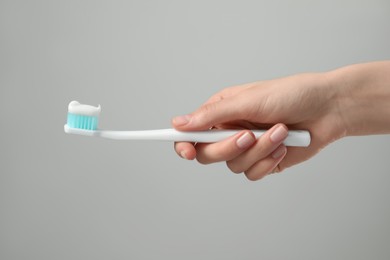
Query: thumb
pixel 211 114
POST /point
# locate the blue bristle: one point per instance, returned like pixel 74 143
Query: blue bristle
pixel 82 121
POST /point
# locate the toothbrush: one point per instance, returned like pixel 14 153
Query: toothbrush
pixel 83 120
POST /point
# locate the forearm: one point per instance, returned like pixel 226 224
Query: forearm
pixel 362 97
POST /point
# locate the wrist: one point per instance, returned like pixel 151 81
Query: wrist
pixel 362 98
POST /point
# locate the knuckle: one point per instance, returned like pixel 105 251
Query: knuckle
pixel 203 160
pixel 251 177
pixel 279 168
pixel 203 115
pixel 207 109
pixel 233 167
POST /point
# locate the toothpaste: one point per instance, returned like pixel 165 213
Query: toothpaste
pixel 80 109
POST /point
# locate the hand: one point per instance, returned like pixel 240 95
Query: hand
pixel 353 100
pixel 299 102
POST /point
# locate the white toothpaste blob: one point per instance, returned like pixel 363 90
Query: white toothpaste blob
pixel 80 109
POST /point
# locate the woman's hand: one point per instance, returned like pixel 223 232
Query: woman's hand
pixel 322 103
pixel 299 102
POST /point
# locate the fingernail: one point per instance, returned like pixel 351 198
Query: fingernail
pixel 181 120
pixel 279 134
pixel 279 152
pixel 183 154
pixel 245 141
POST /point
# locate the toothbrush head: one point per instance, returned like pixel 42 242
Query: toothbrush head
pixel 82 116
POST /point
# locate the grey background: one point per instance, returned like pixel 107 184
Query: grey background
pixel 71 197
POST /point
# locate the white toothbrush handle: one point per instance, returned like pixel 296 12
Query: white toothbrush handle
pixel 294 138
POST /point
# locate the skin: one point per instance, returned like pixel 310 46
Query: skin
pixel 353 100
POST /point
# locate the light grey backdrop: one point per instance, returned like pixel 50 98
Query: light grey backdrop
pixel 71 197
